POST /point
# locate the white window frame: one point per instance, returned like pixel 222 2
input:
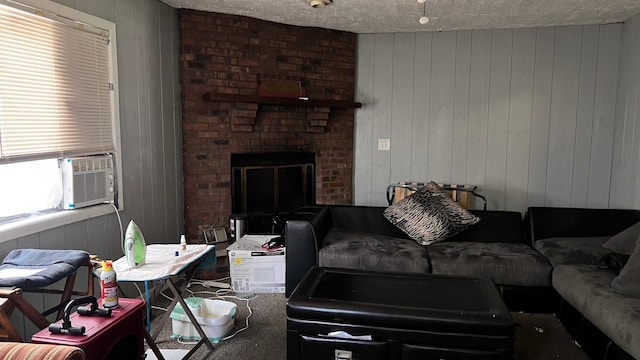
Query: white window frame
pixel 36 224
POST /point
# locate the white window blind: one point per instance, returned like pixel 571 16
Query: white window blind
pixel 55 88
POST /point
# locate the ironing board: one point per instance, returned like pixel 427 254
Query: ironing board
pixel 164 262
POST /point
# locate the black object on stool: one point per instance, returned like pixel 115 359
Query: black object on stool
pixel 92 309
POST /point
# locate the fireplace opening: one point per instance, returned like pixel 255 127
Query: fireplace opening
pixel 264 185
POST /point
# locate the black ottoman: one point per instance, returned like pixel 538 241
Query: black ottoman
pixel 404 316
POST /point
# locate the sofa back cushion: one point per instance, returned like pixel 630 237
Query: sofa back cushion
pixel 366 219
pixel 628 281
pixel 557 222
pixel 625 241
pixel 494 226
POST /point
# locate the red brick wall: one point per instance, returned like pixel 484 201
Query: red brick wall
pixel 229 54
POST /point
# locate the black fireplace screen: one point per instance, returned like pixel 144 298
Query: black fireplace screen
pixel 272 183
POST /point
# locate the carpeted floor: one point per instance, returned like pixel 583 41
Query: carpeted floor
pixel 538 336
pixel 542 336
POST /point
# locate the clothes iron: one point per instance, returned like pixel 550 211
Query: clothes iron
pixel 135 249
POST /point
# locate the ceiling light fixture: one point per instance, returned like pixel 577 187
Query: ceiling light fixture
pixel 423 19
pixel 319 3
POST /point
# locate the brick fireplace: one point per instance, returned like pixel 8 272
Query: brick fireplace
pixel 224 59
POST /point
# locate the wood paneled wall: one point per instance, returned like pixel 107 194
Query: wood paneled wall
pixel 151 134
pixel 625 179
pixel 527 115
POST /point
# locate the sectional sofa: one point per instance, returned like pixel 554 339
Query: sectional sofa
pixel 545 262
pixel 360 237
pixel 604 321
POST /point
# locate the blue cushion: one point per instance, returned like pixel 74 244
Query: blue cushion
pixel 56 265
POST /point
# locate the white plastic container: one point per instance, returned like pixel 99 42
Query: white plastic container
pixel 216 317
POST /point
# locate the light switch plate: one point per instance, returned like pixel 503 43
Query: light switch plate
pixel 384 144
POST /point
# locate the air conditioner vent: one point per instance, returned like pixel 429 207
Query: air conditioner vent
pixel 87 181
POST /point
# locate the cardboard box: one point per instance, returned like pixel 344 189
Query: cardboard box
pixel 255 270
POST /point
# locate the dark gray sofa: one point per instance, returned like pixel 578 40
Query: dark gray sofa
pixel 548 267
pixel 360 237
pixel 605 323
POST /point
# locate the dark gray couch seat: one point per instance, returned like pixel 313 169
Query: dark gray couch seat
pixel 347 249
pixel 572 250
pixel 587 289
pixel 605 322
pixel 505 263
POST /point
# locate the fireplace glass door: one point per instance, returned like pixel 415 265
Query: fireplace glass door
pixel 272 183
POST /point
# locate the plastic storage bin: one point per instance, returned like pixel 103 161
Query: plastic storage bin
pixel 216 317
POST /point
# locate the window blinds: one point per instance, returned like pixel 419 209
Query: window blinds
pixel 55 96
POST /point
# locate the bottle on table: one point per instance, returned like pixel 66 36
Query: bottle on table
pixel 108 285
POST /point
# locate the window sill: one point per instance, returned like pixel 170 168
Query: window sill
pixel 25 227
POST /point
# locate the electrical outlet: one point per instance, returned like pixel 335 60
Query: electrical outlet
pixel 384 144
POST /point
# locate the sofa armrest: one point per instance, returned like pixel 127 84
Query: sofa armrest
pixel 548 222
pixel 31 351
pixel 304 232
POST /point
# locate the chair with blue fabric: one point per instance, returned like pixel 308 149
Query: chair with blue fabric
pixel 36 270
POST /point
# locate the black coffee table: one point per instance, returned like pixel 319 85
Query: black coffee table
pixel 407 316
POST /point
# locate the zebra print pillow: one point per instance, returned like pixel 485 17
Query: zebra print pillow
pixel 429 215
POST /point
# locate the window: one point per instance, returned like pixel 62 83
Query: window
pixel 29 187
pixel 57 99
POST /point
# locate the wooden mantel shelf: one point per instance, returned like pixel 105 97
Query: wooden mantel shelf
pixel 280 101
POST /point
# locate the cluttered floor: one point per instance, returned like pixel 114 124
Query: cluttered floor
pixel 260 331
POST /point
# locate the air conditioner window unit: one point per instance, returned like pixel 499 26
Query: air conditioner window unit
pixel 87 181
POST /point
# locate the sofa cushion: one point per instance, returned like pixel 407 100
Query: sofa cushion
pixel 625 241
pixel 355 250
pixel 587 289
pixel 429 215
pixel 504 263
pixel 628 281
pixel 572 250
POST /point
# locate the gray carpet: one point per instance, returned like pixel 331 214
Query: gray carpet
pixel 538 336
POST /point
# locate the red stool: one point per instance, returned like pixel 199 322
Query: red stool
pixel 114 337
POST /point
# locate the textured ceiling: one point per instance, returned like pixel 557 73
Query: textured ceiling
pixel 378 16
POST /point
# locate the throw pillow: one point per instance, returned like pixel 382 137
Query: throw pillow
pixel 429 215
pixel 628 281
pixel 625 241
